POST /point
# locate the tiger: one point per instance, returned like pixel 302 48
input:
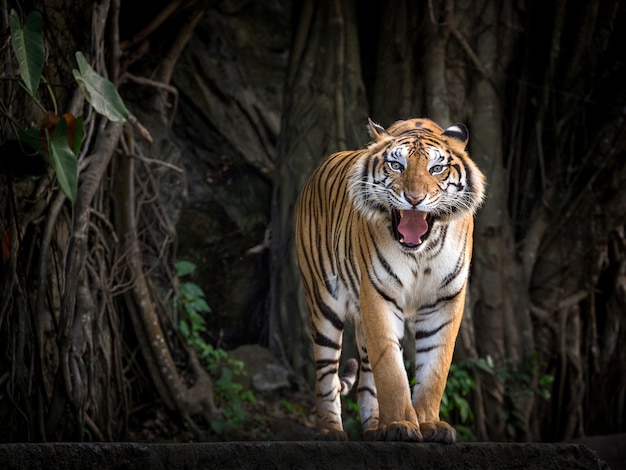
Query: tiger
pixel 384 237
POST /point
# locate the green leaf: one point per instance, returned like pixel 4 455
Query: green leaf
pixel 248 395
pixel 546 380
pixel 184 328
pixel 99 91
pixel 63 160
pixel 184 268
pixel 200 305
pixel 30 137
pixel 197 321
pixel 189 290
pixel 27 44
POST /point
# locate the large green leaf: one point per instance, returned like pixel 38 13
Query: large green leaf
pixel 99 91
pixel 63 160
pixel 28 47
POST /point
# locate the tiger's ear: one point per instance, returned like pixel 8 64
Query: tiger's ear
pixel 377 133
pixel 459 135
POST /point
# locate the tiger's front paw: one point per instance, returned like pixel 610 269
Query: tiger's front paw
pixel 405 431
pixel 438 431
pixel 331 435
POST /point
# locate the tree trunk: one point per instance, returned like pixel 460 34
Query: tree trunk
pixel 66 334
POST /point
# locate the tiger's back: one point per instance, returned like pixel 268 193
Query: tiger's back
pixel 384 235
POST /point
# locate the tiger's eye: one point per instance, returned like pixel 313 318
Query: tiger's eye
pixel 437 169
pixel 396 166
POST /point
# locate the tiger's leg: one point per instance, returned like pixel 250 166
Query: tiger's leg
pixel 435 335
pixel 326 331
pixel 366 388
pixel 383 329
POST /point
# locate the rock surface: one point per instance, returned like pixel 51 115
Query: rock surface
pixel 297 455
pixel 264 374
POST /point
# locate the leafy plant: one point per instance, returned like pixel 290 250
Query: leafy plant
pixel 292 407
pixel 62 158
pixel 27 44
pixel 461 382
pixel 59 138
pixel 228 393
pixel 518 378
pixel 521 378
pixel 99 91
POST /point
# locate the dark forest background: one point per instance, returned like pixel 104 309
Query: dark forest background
pixel 233 104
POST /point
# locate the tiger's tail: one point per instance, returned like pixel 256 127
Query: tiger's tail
pixel 348 377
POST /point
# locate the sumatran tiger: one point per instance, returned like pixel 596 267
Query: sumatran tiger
pixel 384 236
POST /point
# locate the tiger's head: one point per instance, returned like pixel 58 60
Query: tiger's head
pixel 416 174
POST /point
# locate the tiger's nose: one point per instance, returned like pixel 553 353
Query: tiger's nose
pixel 414 199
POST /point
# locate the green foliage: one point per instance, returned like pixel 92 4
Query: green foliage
pixel 229 394
pixel 99 91
pixel 454 405
pixel 63 159
pixel 525 374
pixel 518 378
pixel 292 407
pixel 521 378
pixel 27 44
pixel 63 135
pixel 184 268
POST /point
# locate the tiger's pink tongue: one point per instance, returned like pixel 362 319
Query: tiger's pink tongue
pixel 412 226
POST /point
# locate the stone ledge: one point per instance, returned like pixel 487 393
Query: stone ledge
pixel 297 455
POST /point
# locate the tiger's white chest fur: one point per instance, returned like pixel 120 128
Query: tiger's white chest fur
pixel 415 279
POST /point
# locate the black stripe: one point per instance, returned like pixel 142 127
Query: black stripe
pixel 322 340
pixel 328 394
pixel 312 264
pixel 440 241
pixel 423 334
pixel 349 268
pixel 320 364
pixel 366 390
pixel 375 163
pixel 427 349
pixel 460 264
pixel 323 273
pixel 381 259
pixel 327 312
pixel 354 288
pixel 376 282
pixel 468 178
pixel 441 299
pixel 326 374
pixel 365 171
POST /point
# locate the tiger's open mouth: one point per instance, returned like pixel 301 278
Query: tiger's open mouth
pixel 411 227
